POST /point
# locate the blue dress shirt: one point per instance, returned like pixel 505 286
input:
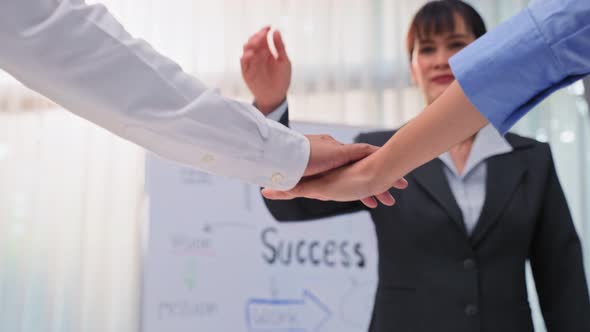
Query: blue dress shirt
pixel 511 69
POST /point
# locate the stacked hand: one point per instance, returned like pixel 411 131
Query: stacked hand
pixel 348 183
pixel 330 174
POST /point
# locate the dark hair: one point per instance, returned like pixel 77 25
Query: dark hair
pixel 438 17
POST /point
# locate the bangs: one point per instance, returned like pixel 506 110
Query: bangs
pixel 440 17
pixel 436 19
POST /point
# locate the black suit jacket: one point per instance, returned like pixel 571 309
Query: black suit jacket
pixel 433 277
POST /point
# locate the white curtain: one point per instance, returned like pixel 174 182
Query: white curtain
pixel 70 201
pixel 71 194
pixel 349 57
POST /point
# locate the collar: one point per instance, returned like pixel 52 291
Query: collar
pixel 488 143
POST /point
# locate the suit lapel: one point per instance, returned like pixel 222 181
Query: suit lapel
pixel 504 174
pixel 431 179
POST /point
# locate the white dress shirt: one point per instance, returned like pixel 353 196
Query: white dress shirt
pixel 80 57
pixel 469 187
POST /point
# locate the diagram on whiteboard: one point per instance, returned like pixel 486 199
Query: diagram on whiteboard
pixel 216 260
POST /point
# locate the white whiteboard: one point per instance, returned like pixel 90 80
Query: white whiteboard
pixel 216 260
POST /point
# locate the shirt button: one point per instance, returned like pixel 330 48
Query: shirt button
pixel 469 264
pixel 471 310
pixel 208 158
pixel 276 178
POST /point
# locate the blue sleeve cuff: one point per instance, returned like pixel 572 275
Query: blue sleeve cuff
pixel 278 113
pixel 507 71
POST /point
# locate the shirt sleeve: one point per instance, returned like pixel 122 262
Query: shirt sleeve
pixel 511 69
pixel 278 113
pixel 80 57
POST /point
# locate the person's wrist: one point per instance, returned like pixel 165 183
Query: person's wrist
pixel 374 175
pixel 268 106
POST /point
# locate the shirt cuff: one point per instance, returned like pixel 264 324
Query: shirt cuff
pixel 290 152
pixel 278 113
pixel 507 71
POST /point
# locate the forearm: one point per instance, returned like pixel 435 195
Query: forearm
pixel 446 122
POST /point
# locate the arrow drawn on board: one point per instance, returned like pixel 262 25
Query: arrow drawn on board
pixel 190 274
pixel 307 314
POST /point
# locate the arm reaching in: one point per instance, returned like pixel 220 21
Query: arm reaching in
pixel 444 123
pixel 80 57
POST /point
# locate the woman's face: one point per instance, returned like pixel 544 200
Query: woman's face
pixel 430 59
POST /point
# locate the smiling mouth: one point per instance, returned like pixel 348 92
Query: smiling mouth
pixel 443 79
